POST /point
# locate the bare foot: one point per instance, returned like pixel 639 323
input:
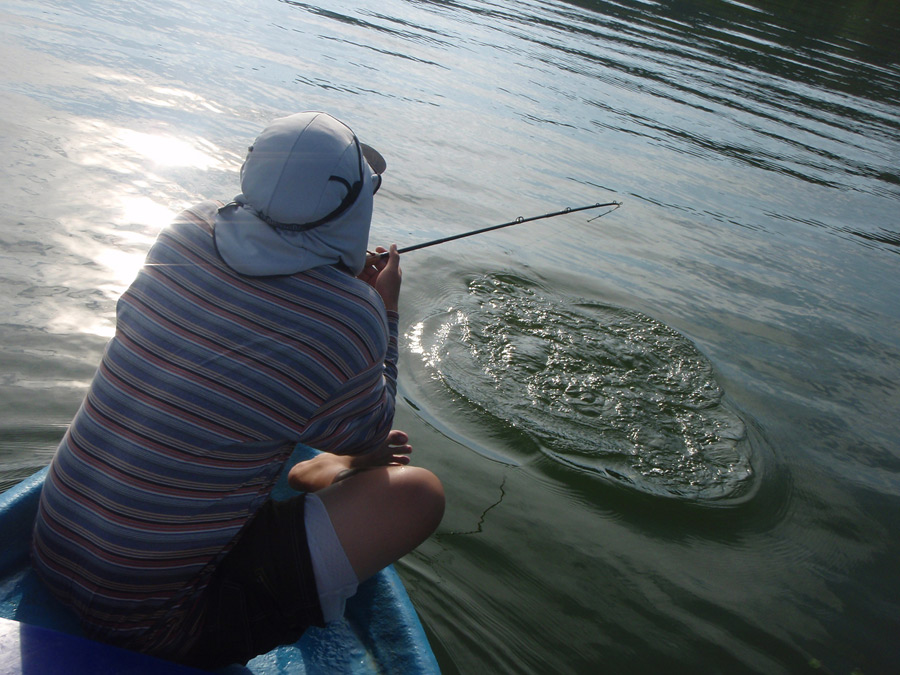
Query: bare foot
pixel 326 468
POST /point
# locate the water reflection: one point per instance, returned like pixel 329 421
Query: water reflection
pixel 171 97
pixel 165 150
pixel 97 142
pixel 100 224
pixel 740 95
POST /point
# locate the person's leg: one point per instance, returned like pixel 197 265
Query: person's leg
pixel 382 514
pixel 267 589
pixel 262 594
pixel 379 513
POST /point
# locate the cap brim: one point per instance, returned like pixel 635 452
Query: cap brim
pixel 374 158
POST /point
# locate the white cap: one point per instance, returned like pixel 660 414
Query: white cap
pixel 307 188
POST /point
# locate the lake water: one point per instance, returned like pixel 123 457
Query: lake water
pixel 668 436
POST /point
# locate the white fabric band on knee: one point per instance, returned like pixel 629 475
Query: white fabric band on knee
pixel 335 579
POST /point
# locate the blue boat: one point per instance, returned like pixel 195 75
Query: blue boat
pixel 381 632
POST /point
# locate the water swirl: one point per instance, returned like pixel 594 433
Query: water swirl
pixel 598 387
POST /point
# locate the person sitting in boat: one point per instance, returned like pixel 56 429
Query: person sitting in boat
pixel 252 326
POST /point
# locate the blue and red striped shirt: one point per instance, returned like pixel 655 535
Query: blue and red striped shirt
pixel 210 380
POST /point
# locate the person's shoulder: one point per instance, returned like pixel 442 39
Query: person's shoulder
pixel 343 279
pixel 353 291
pixel 202 212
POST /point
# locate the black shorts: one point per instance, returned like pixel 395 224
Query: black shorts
pixel 263 593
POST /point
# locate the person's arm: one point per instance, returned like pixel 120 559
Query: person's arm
pixel 358 417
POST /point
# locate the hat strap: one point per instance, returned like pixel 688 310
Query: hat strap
pixel 353 192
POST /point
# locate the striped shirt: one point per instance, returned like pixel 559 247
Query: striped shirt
pixel 210 380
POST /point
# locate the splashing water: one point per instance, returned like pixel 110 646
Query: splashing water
pixel 597 387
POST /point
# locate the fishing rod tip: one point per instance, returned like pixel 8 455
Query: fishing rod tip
pixel 611 205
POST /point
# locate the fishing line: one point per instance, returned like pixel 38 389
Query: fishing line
pixel 518 221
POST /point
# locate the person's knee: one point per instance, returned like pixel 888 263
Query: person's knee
pixel 423 495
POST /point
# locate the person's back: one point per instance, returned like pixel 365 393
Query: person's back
pixel 210 380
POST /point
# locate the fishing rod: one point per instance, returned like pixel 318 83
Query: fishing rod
pixel 517 221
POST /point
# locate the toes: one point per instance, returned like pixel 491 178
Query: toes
pixel 397 437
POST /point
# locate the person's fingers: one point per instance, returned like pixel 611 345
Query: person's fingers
pixel 377 259
pixel 394 258
pixel 370 269
pixel 389 280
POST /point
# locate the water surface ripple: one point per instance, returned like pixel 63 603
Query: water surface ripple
pixel 598 387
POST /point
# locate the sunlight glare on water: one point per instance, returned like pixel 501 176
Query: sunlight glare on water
pixel 115 208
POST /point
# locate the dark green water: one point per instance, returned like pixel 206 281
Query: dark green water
pixel 668 436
